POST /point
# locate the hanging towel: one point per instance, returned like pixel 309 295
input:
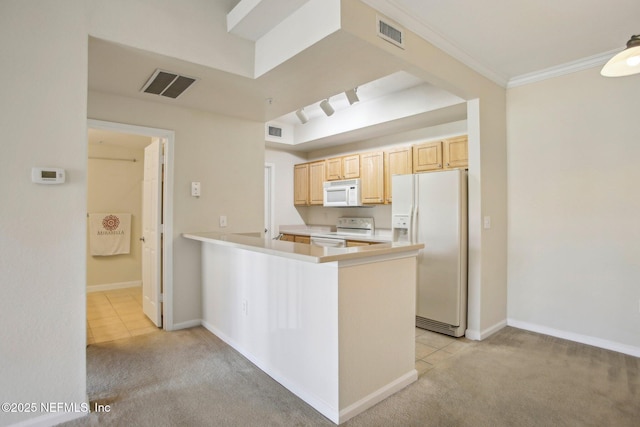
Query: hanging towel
pixel 109 233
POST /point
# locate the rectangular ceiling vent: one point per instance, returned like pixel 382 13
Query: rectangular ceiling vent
pixel 390 33
pixel 166 83
pixel 275 131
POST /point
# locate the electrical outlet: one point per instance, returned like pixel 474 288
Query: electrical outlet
pixel 487 222
pixel 223 220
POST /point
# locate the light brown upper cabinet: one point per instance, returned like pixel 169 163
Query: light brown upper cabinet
pixel 450 153
pixel 396 162
pixel 316 179
pixel 427 156
pixel 346 167
pixel 372 177
pixel 455 152
pixel 301 184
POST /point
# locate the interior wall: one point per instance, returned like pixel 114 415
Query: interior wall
pixel 224 154
pixel 487 162
pixel 573 208
pixel 204 40
pixel 284 212
pixel 43 46
pixel 115 186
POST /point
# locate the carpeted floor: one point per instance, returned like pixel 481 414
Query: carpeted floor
pixel 514 378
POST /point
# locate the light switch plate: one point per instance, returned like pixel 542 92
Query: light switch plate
pixel 223 220
pixel 195 189
pixel 487 222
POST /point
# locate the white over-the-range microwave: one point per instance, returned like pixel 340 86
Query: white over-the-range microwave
pixel 342 193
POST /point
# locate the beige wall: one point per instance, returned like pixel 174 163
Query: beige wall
pixel 225 155
pixel 486 122
pixel 116 186
pixel 43 46
pixel 573 207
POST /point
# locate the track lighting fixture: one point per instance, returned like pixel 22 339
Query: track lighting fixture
pixel 302 116
pixel 326 107
pixel 626 62
pixel 352 96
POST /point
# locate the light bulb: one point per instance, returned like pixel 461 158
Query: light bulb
pixel 633 61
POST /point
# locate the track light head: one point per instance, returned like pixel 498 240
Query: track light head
pixel 326 107
pixel 302 116
pixel 352 96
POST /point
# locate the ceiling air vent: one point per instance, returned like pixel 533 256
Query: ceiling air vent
pixel 390 33
pixel 166 83
pixel 275 131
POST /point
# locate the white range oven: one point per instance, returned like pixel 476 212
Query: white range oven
pixel 347 228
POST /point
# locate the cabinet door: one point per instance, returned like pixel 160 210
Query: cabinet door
pixel 455 152
pixel 334 169
pixel 301 184
pixel 351 166
pixel 316 179
pixel 372 177
pixel 397 162
pixel 427 157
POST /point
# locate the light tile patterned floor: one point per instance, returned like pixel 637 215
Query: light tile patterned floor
pixel 116 314
pixel 432 347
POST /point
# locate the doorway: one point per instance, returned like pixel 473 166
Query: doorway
pixel 116 293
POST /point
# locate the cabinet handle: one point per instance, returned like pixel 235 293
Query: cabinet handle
pixel 439 165
pixel 447 164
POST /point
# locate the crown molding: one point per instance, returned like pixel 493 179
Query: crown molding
pixel 391 9
pixel 562 69
pixel 406 19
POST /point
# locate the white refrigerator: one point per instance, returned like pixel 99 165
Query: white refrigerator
pixel 431 208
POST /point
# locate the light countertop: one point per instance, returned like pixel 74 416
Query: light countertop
pixel 302 251
pixel 380 235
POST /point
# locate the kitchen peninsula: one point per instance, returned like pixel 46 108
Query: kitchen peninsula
pixel 336 326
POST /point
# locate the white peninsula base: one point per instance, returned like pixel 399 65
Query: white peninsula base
pixel 339 334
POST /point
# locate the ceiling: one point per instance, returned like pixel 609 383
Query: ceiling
pixel 501 39
pixel 506 39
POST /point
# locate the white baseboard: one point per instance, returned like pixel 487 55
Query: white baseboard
pixel 329 411
pixel 112 286
pixel 476 335
pixel 378 396
pixel 572 336
pixel 52 419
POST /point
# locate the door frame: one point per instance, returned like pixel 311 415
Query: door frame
pixel 269 192
pixel 167 206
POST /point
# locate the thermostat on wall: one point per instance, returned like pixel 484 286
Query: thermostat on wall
pixel 47 175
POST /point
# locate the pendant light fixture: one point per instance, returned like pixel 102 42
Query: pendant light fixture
pixel 626 62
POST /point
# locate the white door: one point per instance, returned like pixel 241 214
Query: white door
pixel 151 233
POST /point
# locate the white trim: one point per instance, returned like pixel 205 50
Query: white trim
pixel 562 69
pixel 406 19
pixel 572 336
pixel 52 419
pixel 272 191
pixel 476 335
pixel 112 286
pixel 378 396
pixel 167 254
